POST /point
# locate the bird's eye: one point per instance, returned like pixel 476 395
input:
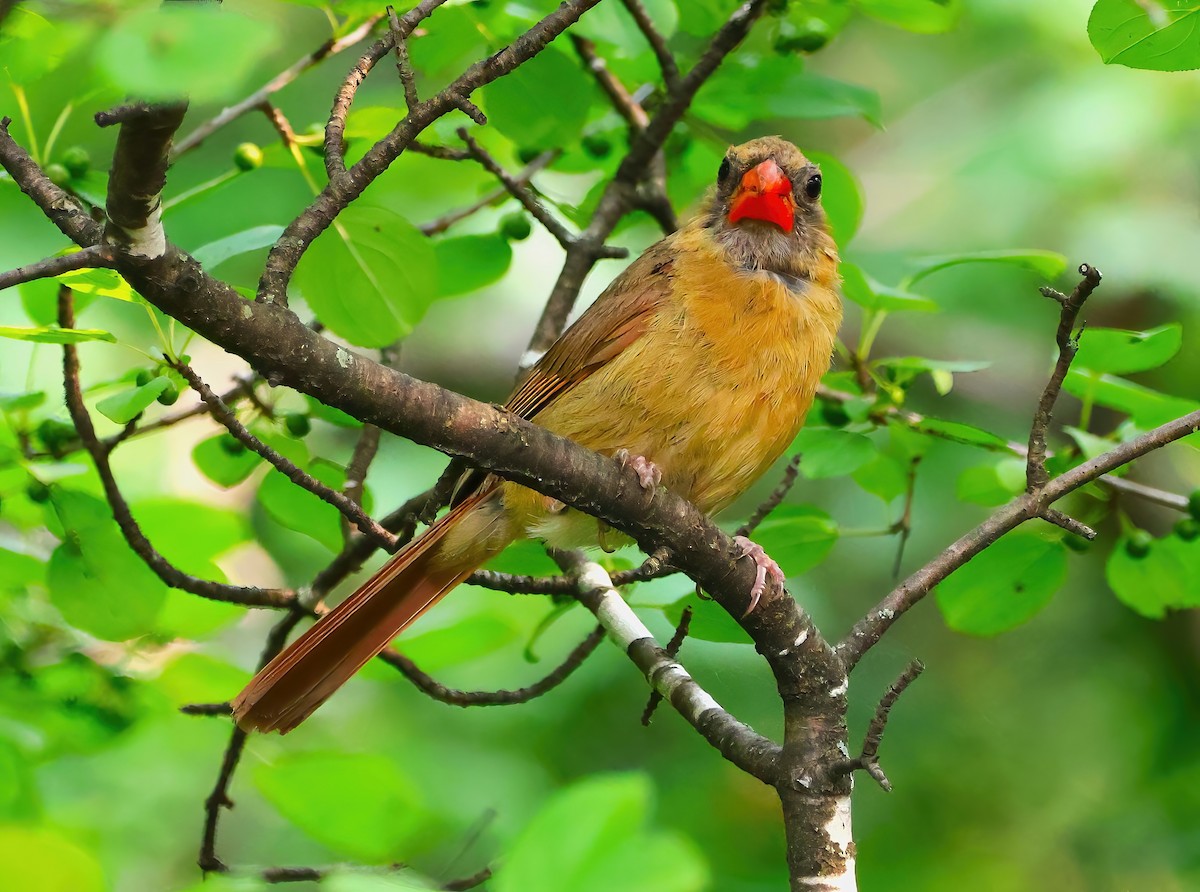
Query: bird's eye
pixel 813 187
pixel 723 171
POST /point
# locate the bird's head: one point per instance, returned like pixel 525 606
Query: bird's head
pixel 766 208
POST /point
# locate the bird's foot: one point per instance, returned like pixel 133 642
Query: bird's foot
pixel 649 476
pixel 764 566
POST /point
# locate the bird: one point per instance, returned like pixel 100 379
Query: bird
pixel 695 368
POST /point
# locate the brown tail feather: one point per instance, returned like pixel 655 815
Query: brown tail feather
pixel 289 688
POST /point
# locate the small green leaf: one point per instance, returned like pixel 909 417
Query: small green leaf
pixel 992 484
pixel 922 16
pixel 828 452
pixel 1148 408
pixel 125 406
pixel 1166 577
pixel 1004 586
pixel 873 295
pixel 551 80
pixel 334 416
pixel 883 476
pixel 224 460
pixel 475 636
pixel 592 837
pixel 1160 35
pixel 467 263
pixel 370 277
pixel 797 537
pixel 961 433
pixel 32 46
pixel 300 510
pixel 99 282
pixel 52 334
pixel 1047 264
pixel 709 621
pixel 1126 352
pixel 253 239
pixel 813 96
pixel 378 808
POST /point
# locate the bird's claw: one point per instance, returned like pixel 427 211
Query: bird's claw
pixel 764 567
pixel 649 476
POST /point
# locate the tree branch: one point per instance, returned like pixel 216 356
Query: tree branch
pixel 95 257
pixel 61 208
pixel 658 43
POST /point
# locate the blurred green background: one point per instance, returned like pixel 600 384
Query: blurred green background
pixel 1061 755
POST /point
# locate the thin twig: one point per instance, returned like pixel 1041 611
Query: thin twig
pixel 497 196
pixel 868 759
pixel 658 43
pixel 256 99
pixel 775 499
pixel 94 257
pixel 164 569
pixel 622 100
pixel 672 649
pixel 438 691
pixel 903 526
pixel 365 450
pixel 348 507
pixel 404 67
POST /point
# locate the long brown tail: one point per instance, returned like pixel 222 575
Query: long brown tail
pixel 289 688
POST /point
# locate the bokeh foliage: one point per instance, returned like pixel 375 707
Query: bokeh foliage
pixel 1061 755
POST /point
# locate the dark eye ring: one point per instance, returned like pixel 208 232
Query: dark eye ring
pixel 813 187
pixel 723 170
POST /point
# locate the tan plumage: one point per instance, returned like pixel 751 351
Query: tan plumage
pixel 703 357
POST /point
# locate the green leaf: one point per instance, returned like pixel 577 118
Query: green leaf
pixel 828 452
pixel 466 263
pixel 873 295
pixel 709 621
pixel 1148 408
pixel 610 25
pixel 253 239
pixel 591 837
pixel 42 859
pixel 334 416
pixel 813 96
pixel 1004 586
pixel 883 476
pixel 17 570
pixel 300 510
pixel 961 433
pixel 370 277
pixel 95 580
pixel 52 334
pixel 992 484
pixel 798 537
pixel 905 368
pixel 1120 352
pixel 922 16
pixel 200 50
pixel 32 46
pixel 224 460
pixel 123 407
pixel 551 81
pixel 1168 577
pixel 1162 35
pixel 774 87
pixel 378 808
pixel 99 282
pixel 475 636
pixel 1047 264
pixel 841 196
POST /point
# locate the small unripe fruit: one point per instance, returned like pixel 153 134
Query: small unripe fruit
pixel 169 396
pixel 516 227
pixel 1138 544
pixel 1077 544
pixel 809 36
pixel 527 153
pixel 37 491
pixel 76 160
pixel 597 146
pixel 248 156
pixel 231 446
pixel 1187 528
pixel 1194 504
pixel 55 434
pixel 58 174
pixel 145 376
pixel 297 424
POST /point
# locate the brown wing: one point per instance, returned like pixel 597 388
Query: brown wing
pixel 608 326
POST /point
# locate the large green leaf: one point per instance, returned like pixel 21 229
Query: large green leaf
pixel 1147 408
pixel 32 46
pixel 52 334
pixel 42 859
pixel 95 580
pixel 377 807
pixel 923 16
pixel 300 510
pixel 609 24
pixel 1167 576
pixel 1125 352
pixel 469 262
pixel 201 50
pixel 370 277
pixel 829 452
pixel 1047 264
pixel 841 196
pixel 125 406
pixel 873 295
pixel 1161 35
pixel 1004 586
pixel 551 82
pixel 591 837
pixel 797 537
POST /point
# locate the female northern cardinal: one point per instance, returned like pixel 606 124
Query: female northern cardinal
pixel 697 365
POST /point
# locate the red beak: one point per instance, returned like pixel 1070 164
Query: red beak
pixel 764 194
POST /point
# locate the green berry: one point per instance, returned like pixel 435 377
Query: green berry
pixel 1187 528
pixel 76 160
pixel 597 146
pixel 1194 504
pixel 232 446
pixel 809 36
pixel 55 434
pixel 526 154
pixel 297 424
pixel 58 174
pixel 1137 546
pixel 1077 544
pixel 248 156
pixel 37 491
pixel 516 227
pixel 145 376
pixel 169 396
